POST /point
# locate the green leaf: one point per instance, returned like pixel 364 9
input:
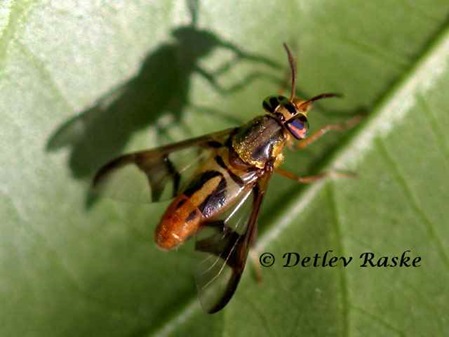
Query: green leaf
pixel 81 82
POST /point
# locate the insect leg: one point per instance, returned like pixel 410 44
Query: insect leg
pixel 254 258
pixel 303 143
pixel 313 178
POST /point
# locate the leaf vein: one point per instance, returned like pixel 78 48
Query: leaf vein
pixel 44 74
pixel 435 127
pixel 381 321
pixel 18 14
pixel 413 200
pixel 341 251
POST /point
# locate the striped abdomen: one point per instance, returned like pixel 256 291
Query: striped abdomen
pixel 214 189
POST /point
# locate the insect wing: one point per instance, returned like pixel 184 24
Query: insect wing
pixel 225 244
pixel 158 174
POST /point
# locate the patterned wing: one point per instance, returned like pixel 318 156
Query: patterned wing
pixel 225 244
pixel 158 174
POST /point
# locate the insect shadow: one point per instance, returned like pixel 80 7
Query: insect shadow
pixel 160 87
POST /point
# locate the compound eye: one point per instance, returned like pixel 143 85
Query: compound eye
pixel 271 103
pixel 298 127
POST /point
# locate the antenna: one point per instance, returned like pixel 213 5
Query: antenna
pixel 318 97
pixel 292 63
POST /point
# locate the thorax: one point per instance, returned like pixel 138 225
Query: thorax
pixel 259 141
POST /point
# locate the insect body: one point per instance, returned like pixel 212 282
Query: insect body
pixel 217 183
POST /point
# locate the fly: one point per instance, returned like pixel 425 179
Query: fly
pixel 217 183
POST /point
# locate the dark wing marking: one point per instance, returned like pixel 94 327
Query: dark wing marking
pixel 225 243
pixel 158 174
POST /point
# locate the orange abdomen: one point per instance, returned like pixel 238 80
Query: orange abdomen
pixel 206 197
pixel 180 221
